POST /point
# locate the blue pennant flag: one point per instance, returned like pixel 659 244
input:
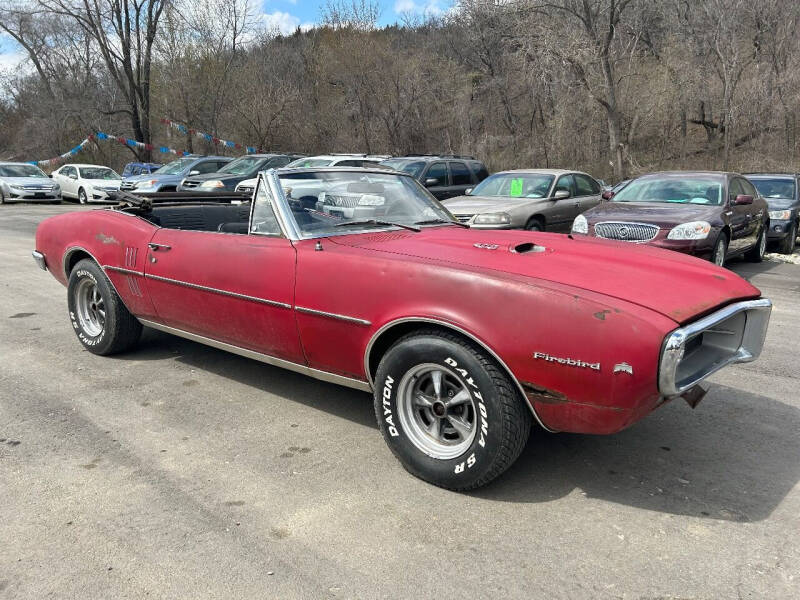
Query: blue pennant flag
pixel 163 149
pixel 101 136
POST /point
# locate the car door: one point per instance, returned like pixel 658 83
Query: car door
pixel 587 192
pixel 460 178
pixel 70 179
pixel 436 179
pixel 58 177
pixel 237 288
pixel 560 214
pixel 755 214
pixel 739 217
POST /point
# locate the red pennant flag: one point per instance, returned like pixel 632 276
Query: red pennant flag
pixel 237 146
pixel 192 131
pixel 215 140
pixel 149 147
pixel 121 140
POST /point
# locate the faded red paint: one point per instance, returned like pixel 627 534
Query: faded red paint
pixel 583 299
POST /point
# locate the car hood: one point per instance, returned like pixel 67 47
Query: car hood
pixel 671 283
pixel 664 214
pixel 226 177
pixel 472 205
pixel 780 203
pixel 103 183
pixel 44 181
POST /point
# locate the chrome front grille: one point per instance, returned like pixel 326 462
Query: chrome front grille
pixel 190 184
pixel 127 185
pixel 626 232
pixel 464 218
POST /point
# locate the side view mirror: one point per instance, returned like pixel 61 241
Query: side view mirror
pixel 607 195
pixel 194 172
pixel 743 199
pixel 561 195
pixel 467 191
pixel 73 176
pixel 50 176
pixel 431 181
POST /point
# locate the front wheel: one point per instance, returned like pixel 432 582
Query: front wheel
pixel 447 410
pixel 534 225
pixel 100 320
pixel 82 198
pixel 786 245
pixel 720 250
pixel 756 253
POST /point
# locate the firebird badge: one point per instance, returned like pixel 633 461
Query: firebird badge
pixel 571 362
pixel 623 367
pixel 486 246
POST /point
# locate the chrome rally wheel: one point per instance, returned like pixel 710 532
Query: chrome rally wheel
pixel 436 411
pixel 90 308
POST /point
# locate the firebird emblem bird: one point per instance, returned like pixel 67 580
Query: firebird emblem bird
pixel 623 367
pixel 572 362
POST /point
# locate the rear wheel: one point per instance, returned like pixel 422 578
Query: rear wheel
pixel 100 320
pixel 720 250
pixel 82 198
pixel 447 410
pixel 787 244
pixel 756 253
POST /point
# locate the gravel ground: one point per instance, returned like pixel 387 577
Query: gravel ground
pixel 180 471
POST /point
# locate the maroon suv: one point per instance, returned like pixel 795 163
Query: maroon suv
pixel 708 214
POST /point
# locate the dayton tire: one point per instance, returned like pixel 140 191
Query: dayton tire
pixel 447 410
pixel 100 320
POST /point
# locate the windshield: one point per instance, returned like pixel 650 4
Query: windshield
pixel 98 173
pixel 514 185
pixel 21 171
pixel 176 166
pixel 675 190
pixel 774 188
pixel 243 166
pixel 310 162
pixel 412 167
pixel 324 203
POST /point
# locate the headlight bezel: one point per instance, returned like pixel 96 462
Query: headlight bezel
pixel 690 231
pixel 580 225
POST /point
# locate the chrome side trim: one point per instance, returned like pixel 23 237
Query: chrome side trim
pixel 39 258
pixel 204 288
pixel 265 358
pixel 448 325
pixel 322 313
pixel 122 270
pixel 753 334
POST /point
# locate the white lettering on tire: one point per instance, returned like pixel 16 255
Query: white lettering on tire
pixel 387 407
pixel 484 418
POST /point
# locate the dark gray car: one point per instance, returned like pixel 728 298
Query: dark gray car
pixel 536 199
pixel 782 193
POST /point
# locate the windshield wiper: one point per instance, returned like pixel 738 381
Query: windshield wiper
pixel 377 222
pixel 443 221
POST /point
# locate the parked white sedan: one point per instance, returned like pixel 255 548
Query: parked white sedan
pixel 87 183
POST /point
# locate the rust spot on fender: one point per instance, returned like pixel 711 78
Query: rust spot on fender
pixel 534 393
pixel 106 239
pixel 720 277
pixel 602 314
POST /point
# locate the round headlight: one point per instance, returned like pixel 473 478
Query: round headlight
pixel 580 225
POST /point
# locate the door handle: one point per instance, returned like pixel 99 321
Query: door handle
pixel 157 247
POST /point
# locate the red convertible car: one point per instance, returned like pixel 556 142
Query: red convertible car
pixel 360 277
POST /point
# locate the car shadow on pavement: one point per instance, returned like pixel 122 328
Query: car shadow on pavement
pixel 340 401
pixel 734 457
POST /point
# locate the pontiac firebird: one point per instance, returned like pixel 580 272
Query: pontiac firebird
pixel 360 277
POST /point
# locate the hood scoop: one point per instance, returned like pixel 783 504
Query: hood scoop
pixel 527 248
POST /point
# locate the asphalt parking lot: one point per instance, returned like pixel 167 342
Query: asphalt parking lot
pixel 180 471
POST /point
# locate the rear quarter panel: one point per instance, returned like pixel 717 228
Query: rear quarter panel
pixel 112 238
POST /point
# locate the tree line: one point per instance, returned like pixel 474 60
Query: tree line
pixel 612 87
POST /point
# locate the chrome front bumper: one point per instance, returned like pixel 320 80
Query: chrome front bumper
pixel 734 334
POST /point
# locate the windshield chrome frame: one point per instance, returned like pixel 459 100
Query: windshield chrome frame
pixel 271 178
